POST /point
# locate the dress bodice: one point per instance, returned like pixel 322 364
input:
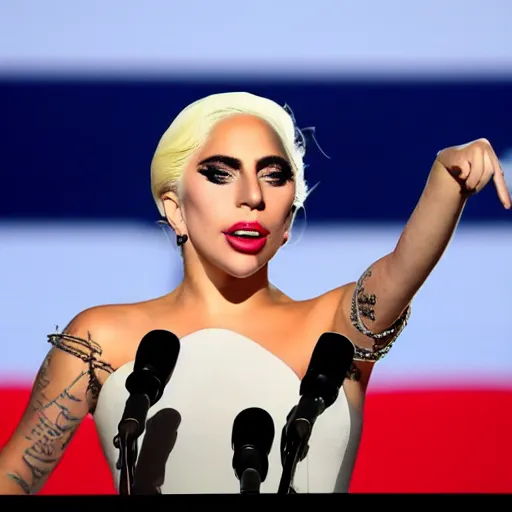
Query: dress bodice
pixel 186 448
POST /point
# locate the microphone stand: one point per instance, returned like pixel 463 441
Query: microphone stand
pixel 250 482
pixel 129 430
pixel 126 443
pixel 295 447
pixel 291 459
pixel 252 470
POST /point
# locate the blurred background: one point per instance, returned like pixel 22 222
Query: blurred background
pixel 88 87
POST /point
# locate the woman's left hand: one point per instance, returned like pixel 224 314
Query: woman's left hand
pixel 473 165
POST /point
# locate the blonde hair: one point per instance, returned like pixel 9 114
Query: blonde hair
pixel 191 128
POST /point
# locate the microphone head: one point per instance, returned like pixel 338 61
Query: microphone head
pixel 252 428
pixel 154 364
pixel 331 360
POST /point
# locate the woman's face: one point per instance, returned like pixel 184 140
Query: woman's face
pixel 236 196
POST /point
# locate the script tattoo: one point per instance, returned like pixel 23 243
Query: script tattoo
pixel 366 301
pixel 55 420
pixel 42 379
pixel 354 373
pixel 48 437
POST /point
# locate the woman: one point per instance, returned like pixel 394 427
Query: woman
pixel 228 177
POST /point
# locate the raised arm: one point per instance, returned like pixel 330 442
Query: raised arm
pixel 64 392
pixel 377 306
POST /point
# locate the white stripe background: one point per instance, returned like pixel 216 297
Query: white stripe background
pixel 419 39
pixel 458 331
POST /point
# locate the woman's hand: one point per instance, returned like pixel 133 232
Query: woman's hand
pixel 473 165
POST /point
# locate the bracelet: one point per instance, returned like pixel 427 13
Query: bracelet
pixel 387 337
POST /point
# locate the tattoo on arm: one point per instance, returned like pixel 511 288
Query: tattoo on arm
pixel 354 373
pixel 88 351
pixel 56 419
pixel 365 301
pixel 363 305
pixel 48 438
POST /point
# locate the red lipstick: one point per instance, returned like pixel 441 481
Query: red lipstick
pixel 247 237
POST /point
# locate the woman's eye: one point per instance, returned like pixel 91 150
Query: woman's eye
pixel 215 175
pixel 278 177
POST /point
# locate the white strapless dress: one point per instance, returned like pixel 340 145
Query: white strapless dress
pixel 186 448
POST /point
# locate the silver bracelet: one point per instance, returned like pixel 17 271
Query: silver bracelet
pixel 388 336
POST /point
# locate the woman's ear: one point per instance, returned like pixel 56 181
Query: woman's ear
pixel 173 212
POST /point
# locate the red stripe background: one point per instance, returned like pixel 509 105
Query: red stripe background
pixel 444 440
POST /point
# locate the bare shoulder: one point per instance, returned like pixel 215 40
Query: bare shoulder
pixel 104 321
pixel 103 333
pixel 330 301
pixel 320 312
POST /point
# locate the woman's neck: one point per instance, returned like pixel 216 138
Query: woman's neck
pixel 217 291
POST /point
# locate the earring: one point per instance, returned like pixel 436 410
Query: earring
pixel 181 239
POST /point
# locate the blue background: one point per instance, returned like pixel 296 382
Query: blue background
pixel 82 149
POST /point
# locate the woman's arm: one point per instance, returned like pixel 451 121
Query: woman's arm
pixel 64 392
pixel 385 291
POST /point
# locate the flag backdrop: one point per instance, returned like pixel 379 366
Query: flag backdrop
pixel 86 92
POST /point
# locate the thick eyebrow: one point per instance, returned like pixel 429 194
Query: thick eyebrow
pixel 279 161
pixel 235 163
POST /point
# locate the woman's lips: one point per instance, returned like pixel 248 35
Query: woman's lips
pixel 246 245
pixel 247 237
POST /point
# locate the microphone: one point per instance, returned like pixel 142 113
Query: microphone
pixel 331 360
pixel 154 364
pixel 251 439
pixel 319 389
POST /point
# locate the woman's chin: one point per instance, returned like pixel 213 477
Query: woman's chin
pixel 237 264
pixel 243 266
pixel 243 271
